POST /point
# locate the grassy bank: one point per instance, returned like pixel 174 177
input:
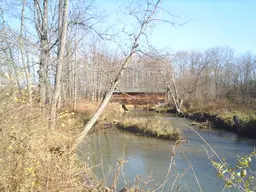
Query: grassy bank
pixel 155 127
pixel 224 120
pixel 218 114
pixel 221 113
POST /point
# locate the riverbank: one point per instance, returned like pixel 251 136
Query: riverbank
pixel 35 158
pixel 222 118
pixel 153 127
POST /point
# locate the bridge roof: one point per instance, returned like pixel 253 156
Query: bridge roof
pixel 140 90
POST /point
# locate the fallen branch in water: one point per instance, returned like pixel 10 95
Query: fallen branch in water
pixel 204 125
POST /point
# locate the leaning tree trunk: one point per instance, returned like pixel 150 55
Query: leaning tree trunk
pixel 90 123
pixel 239 125
pixel 178 100
pixel 104 103
pixel 177 103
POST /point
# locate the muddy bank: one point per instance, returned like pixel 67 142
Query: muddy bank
pixel 214 119
pixel 221 121
pixel 248 130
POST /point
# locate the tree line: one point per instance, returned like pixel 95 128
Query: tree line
pixel 217 73
pixel 55 51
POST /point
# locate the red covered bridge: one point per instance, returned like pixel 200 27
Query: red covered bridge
pixel 139 96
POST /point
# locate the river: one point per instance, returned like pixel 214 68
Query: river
pixel 150 157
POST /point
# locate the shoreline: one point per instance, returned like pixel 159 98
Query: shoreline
pixel 221 121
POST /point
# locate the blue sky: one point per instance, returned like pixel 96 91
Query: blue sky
pixel 229 23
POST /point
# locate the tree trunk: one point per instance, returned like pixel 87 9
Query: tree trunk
pixel 177 103
pixel 63 34
pixel 16 75
pixel 44 46
pixel 75 70
pixel 90 123
pixel 30 92
pixel 239 125
pixel 21 47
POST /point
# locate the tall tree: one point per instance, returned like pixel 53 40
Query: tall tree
pixel 41 25
pixel 62 28
pixel 22 52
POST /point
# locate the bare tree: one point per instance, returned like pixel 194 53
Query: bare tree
pixel 63 20
pixel 7 49
pixel 42 26
pixel 167 72
pixel 22 53
pixel 148 17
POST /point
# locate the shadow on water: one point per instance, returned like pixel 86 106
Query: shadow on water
pixel 148 156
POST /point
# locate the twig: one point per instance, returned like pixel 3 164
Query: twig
pixel 239 187
pixel 169 169
pixel 192 168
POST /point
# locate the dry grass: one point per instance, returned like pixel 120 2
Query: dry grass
pixel 112 112
pixel 154 126
pixel 34 158
pixel 89 107
pixel 218 107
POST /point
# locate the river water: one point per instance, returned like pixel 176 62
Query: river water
pixel 150 158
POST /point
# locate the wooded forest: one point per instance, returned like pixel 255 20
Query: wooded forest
pixel 56 52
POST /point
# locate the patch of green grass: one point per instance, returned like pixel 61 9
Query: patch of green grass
pixel 244 116
pixel 154 127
